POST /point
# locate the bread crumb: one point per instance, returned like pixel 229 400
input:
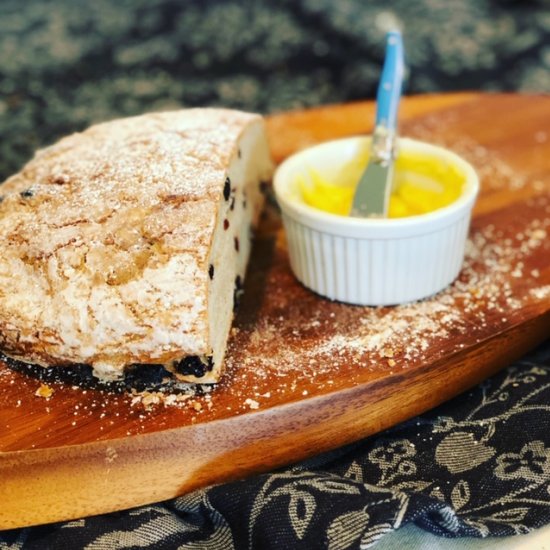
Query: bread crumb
pixel 44 391
pixel 150 399
pixel 253 404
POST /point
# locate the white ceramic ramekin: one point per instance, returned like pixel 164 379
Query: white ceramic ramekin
pixel 373 261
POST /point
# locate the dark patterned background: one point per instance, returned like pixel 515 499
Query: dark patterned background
pixel 68 63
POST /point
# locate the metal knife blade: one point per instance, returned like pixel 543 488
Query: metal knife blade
pixel 373 191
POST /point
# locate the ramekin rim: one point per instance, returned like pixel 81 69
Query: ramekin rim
pixel 316 215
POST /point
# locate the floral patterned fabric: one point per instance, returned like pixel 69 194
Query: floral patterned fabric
pixel 480 464
pixel 477 466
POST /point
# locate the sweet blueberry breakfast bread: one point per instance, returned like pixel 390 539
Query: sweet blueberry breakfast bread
pixel 127 243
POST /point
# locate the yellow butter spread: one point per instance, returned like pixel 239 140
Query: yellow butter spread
pixel 421 184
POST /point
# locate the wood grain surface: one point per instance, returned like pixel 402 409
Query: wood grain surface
pixel 305 374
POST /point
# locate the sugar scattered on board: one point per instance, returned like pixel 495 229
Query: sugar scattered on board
pixel 336 340
pixel 399 336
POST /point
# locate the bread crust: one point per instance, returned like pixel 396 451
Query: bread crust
pixel 104 241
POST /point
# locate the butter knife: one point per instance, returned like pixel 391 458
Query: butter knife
pixel 371 198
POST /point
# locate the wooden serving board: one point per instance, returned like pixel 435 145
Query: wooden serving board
pixel 305 374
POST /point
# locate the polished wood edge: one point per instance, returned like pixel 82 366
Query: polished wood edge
pixel 38 487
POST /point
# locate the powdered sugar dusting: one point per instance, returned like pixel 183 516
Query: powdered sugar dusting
pixel 495 172
pixel 541 293
pixel 288 344
pixel 501 276
pixel 409 333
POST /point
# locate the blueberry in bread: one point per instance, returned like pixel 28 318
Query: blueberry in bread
pixel 124 244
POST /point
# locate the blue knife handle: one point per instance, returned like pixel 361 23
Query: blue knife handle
pixel 391 81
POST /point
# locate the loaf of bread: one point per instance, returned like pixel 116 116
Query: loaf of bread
pixel 127 243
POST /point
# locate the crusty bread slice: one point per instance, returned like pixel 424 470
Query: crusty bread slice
pixel 124 244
